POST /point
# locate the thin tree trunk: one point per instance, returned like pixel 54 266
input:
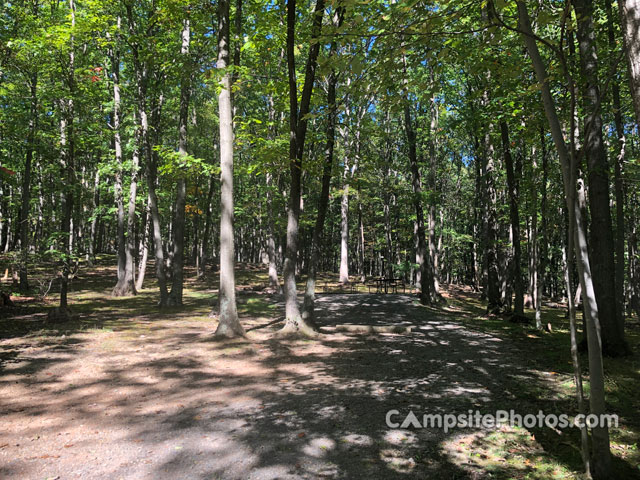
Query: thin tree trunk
pixel 421 250
pixel 518 306
pixel 491 238
pixel 204 253
pixel 294 323
pixel 151 161
pixel 618 184
pixel 433 246
pixel 309 295
pixel 142 268
pixel 422 258
pixel 274 282
pixel 601 244
pixel 177 265
pixel 229 325
pixel 575 359
pixel 26 182
pixel 125 285
pixel 630 20
pixel 360 241
pixel 543 251
pixel 601 455
pixel 67 147
pixel 91 256
pixel 344 226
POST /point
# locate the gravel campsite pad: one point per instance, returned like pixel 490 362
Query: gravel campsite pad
pixel 154 397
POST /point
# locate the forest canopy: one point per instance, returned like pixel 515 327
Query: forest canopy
pixel 490 144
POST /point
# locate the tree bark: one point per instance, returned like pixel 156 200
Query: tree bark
pixel 125 285
pixel 229 325
pixel 421 251
pixel 26 182
pixel 432 179
pixel 309 296
pixel 601 455
pixel 491 235
pixel 177 265
pixel 274 282
pixel 294 323
pixel 151 161
pixel 619 189
pixel 344 226
pixel 67 150
pixel 204 249
pixel 518 305
pixel 602 244
pixel 630 20
pixel 144 247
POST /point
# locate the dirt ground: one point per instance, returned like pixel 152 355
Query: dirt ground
pixel 154 397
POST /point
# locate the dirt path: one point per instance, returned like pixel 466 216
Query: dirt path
pixel 159 400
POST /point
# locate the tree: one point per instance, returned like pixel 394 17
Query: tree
pixel 604 279
pixel 125 273
pixel 294 323
pixel 601 455
pixel 309 295
pixel 229 325
pixel 175 296
pixel 630 20
pixel 515 219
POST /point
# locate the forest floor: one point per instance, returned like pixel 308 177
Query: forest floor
pixel 129 391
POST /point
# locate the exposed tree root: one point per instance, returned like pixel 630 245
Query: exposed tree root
pixel 374 328
pixel 298 327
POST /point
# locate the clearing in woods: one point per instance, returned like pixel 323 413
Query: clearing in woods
pixel 124 393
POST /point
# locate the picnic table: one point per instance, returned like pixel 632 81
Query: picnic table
pixel 384 284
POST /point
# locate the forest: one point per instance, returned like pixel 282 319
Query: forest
pixel 235 234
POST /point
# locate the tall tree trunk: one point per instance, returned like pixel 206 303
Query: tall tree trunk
pixel 421 251
pixel 294 323
pixel 601 455
pixel 150 159
pixel 229 325
pixel 422 258
pixel 204 249
pixel 360 240
pixel 630 20
pixel 125 285
pixel 518 305
pixel 67 147
pixel 152 175
pixel 344 226
pixel 491 234
pixel 4 215
pixel 91 255
pixel 432 178
pixel 323 202
pixel 177 265
pixel 26 182
pixel 274 282
pixel 602 245
pixel 575 359
pixel 618 184
pixel 543 254
pixel 144 247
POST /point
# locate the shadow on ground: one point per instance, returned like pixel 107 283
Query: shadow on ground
pixel 156 398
